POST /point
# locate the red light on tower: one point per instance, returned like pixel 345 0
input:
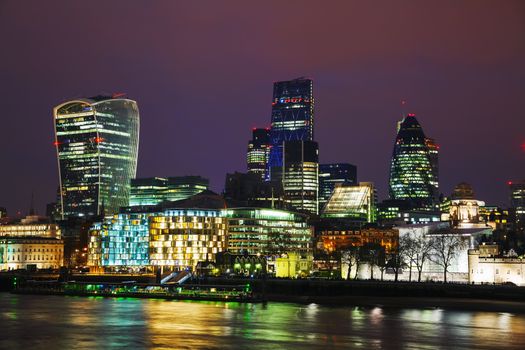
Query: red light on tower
pixel 56 143
pixel 411 114
pixel 523 146
pixel 98 139
pixel 509 183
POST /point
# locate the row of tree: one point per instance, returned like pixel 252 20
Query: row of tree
pixel 414 251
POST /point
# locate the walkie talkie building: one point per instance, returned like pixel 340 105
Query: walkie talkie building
pixel 97 142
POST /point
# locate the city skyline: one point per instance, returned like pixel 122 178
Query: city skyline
pixel 457 94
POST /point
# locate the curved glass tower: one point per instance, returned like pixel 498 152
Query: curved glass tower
pixel 97 145
pixel 414 167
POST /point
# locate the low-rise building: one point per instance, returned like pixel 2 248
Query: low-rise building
pixel 294 265
pixel 31 253
pixel 487 265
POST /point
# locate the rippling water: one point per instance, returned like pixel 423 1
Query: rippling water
pixel 56 322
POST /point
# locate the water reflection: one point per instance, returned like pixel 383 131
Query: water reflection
pixel 97 323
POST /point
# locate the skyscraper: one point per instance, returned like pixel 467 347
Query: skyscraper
pixel 517 202
pixel 97 144
pixel 354 202
pixel 292 117
pixel 414 167
pixel 300 174
pixel 258 152
pixel 332 174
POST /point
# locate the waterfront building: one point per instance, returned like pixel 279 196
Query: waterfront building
pixel 294 265
pixel 487 265
pixel 292 118
pixel 414 166
pixel 258 231
pixel 300 175
pixel 3 212
pixel 352 202
pixel 120 240
pixel 31 226
pixel 96 140
pixel 258 152
pixel 332 174
pixel 181 238
pixel 155 190
pixel 29 252
pixel 338 239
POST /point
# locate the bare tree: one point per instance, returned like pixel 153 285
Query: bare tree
pixel 417 250
pixel 351 257
pixel 374 255
pixel 445 248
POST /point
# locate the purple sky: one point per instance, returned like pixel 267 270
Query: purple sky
pixel 202 75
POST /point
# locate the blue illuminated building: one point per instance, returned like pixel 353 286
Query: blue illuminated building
pixel 292 118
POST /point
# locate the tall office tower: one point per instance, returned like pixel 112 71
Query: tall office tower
pixel 258 152
pixel 300 174
pixel 517 201
pixel 332 174
pixel 413 169
pixel 292 118
pixel 97 143
pixel 433 156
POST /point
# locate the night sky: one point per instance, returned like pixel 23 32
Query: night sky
pixel 202 75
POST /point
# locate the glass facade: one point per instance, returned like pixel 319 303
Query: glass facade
pixel 267 231
pixel 258 152
pixel 97 144
pixel 154 190
pixel 414 166
pixel 517 201
pixel 292 117
pixel 181 238
pixel 301 175
pixel 332 174
pixel 120 240
pixel 352 202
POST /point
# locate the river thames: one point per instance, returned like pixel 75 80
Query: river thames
pixel 58 322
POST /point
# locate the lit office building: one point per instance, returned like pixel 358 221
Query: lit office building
pixel 155 190
pixel 414 167
pixel 517 201
pixel 464 208
pixel 31 226
pixel 352 202
pixel 300 175
pixel 292 118
pixel 258 152
pixel 97 144
pixel 181 238
pixel 332 174
pixel 267 231
pixel 120 240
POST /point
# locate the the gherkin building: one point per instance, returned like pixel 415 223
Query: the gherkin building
pixel 414 167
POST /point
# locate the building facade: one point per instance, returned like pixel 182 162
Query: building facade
pixel 300 175
pixel 292 118
pixel 266 232
pixel 258 152
pixel 96 140
pixel 155 190
pixel 352 202
pixel 31 253
pixel 414 166
pixel 31 226
pixel 332 174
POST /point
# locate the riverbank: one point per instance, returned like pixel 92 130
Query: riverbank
pixel 493 298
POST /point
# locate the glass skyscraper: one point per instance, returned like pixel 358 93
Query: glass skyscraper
pixel 414 166
pixel 292 117
pixel 258 152
pixel 97 144
pixel 332 174
pixel 300 175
